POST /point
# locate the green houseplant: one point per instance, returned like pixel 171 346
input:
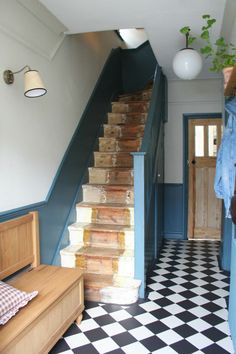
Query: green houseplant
pixel 221 53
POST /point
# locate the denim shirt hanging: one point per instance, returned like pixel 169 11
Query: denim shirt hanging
pixel 226 159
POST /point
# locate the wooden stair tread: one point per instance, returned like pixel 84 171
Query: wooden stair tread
pixel 125 114
pixel 102 227
pixel 110 186
pixel 130 102
pixel 132 138
pixel 104 205
pixel 103 280
pixel 112 152
pixel 124 126
pixel 103 252
pixel 122 169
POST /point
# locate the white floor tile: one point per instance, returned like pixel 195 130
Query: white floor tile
pixel 199 300
pixel 87 325
pixel 165 350
pixel 135 348
pixel 141 333
pixel 77 340
pixel 199 325
pixel 226 344
pixel 169 337
pixel 199 311
pixel 199 340
pixel 176 298
pixel 172 321
pixel 174 309
pixel 96 311
pixel 145 318
pixel 113 329
pixel 120 315
pixel 149 306
pixel 105 345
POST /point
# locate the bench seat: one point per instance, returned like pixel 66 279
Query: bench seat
pixel 39 325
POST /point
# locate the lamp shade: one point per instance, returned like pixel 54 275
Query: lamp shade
pixel 34 86
pixel 187 64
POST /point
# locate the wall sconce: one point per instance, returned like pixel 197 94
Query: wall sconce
pixel 187 62
pixel 34 86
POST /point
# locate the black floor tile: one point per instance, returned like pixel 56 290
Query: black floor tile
pixel 183 262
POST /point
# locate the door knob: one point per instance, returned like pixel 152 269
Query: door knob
pixel 193 162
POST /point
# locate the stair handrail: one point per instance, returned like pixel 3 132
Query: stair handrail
pixel 145 177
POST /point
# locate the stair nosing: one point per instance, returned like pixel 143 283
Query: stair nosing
pixel 102 227
pixel 105 205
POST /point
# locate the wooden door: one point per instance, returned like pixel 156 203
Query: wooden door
pixel 204 209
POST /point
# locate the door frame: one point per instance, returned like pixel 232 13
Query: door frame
pixel 186 118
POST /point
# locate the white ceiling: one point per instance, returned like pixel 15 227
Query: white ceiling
pixel 161 20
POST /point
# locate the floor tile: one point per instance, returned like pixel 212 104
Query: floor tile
pixel 185 311
pixel 123 339
pixel 141 333
pixel 105 345
pixel 113 329
pixel 135 348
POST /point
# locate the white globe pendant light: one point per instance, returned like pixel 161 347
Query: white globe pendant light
pixel 187 62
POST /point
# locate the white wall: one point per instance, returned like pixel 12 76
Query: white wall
pixel 133 37
pixel 196 96
pixel 34 133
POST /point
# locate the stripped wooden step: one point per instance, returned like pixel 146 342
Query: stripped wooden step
pixel 112 236
pixel 111 176
pixel 140 95
pixel 112 159
pixel 102 239
pixel 127 118
pixel 132 106
pixel 97 193
pixel 125 145
pixel 123 131
pixel 99 260
pixel 119 214
pixel 111 289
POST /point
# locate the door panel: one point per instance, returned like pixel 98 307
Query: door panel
pixel 204 214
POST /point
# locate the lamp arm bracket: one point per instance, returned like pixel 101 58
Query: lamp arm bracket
pixel 19 71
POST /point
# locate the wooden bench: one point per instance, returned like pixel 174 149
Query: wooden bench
pixel 60 300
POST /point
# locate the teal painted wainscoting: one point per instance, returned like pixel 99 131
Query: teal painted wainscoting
pixel 226 243
pixel 173 211
pixel 232 294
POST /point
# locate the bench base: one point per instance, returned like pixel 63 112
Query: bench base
pixel 37 327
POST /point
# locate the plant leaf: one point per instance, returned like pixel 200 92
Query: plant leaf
pixel 205 35
pixel 191 40
pixel 220 42
pixel 211 22
pixel 185 30
pixel 206 16
pixel 206 50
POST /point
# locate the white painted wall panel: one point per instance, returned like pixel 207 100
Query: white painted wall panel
pixel 34 133
pixel 196 96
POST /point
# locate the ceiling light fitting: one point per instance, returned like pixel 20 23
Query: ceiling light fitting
pixel 187 62
pixel 34 86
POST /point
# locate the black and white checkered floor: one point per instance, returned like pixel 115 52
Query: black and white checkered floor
pixel 185 310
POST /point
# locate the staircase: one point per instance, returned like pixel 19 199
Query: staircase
pixel 102 239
